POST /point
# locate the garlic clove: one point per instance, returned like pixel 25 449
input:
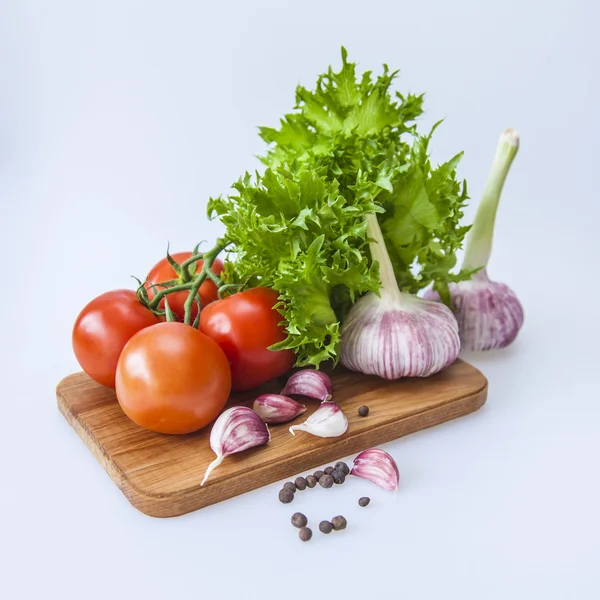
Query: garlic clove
pixel 327 421
pixel 399 335
pixel 489 314
pixel 237 429
pixel 310 383
pixel 276 408
pixel 377 466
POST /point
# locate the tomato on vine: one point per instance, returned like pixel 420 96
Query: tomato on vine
pixel 163 272
pixel 245 324
pixel 171 378
pixel 103 328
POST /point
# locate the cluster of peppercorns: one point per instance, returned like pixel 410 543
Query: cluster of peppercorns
pixel 326 478
pixel 299 520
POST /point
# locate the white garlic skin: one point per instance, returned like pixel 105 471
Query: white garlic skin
pixel 489 313
pixel 327 421
pixel 399 336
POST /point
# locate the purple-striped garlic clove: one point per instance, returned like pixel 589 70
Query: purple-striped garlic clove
pixel 237 429
pixel 377 466
pixel 276 408
pixel 309 383
pixel 489 313
pixel 327 421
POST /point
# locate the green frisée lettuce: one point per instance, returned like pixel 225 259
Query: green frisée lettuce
pixel 296 233
pixel 349 148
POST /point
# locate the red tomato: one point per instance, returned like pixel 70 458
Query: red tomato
pixel 103 328
pixel 172 379
pixel 163 271
pixel 245 325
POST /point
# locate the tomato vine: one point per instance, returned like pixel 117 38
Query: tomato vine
pixel 187 280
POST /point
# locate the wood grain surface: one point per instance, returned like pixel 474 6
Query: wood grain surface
pixel 161 474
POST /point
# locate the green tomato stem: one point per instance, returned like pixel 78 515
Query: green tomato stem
pixel 227 287
pixel 193 284
pixel 185 265
pixel 479 241
pixel 192 297
pixel 208 258
pixel 182 287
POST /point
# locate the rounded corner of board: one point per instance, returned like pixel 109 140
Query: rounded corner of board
pixel 154 506
pixel 482 394
pixel 63 383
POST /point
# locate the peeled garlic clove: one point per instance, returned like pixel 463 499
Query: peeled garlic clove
pixel 237 429
pixel 489 314
pixel 399 335
pixel 310 383
pixel 327 421
pixel 377 466
pixel 275 408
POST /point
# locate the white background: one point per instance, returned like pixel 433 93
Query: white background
pixel 118 119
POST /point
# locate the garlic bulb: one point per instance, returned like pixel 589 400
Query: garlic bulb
pixel 489 314
pixel 309 383
pixel 327 421
pixel 237 429
pixel 397 334
pixel 275 408
pixel 378 466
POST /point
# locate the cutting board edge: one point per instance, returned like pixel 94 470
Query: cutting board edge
pixel 188 500
pixel 88 438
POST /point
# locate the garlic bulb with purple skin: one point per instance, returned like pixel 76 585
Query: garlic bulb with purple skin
pixel 276 408
pixel 237 429
pixel 396 334
pixel 309 383
pixel 489 314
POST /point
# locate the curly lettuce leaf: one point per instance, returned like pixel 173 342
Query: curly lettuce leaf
pixel 356 130
pixel 421 223
pixel 349 148
pixel 295 232
pixel 340 118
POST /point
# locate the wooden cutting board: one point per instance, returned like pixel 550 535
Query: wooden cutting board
pixel 161 474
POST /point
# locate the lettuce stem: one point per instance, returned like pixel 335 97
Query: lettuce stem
pixel 479 240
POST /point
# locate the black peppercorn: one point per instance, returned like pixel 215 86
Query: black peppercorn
pixel 328 470
pixel 325 527
pixel 363 411
pixel 343 467
pixel 338 476
pixel 299 520
pixel 305 534
pixel 326 481
pixel 311 481
pixel 286 496
pixel 289 485
pixel 364 501
pixel 318 474
pixel 300 483
pixel 339 523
